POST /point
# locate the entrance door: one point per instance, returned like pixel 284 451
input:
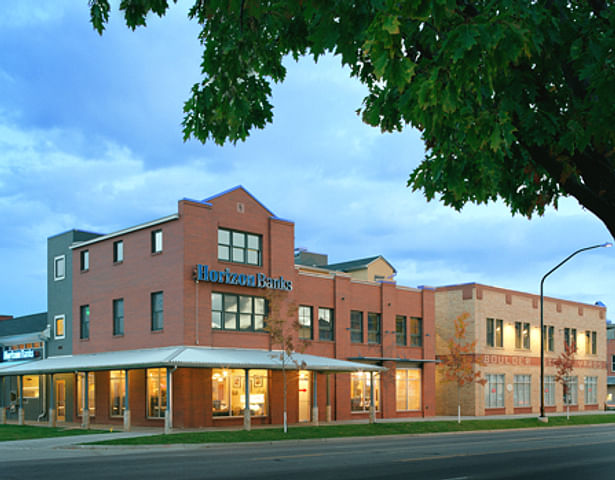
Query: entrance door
pixel 61 400
pixel 304 396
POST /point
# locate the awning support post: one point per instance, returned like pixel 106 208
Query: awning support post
pixel 247 421
pixel 126 402
pixel 328 407
pixel 168 413
pixel 2 406
pixel 86 402
pixel 314 398
pixel 372 408
pixel 20 415
pixel 52 402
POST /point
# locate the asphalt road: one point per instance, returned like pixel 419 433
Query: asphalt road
pixel 562 453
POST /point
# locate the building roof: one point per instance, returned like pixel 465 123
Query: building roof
pixel 183 356
pixel 355 264
pixel 23 325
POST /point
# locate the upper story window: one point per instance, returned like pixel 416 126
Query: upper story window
pixel 239 247
pixel 118 249
pixel 156 241
pixel 84 264
pixel 59 267
pixel 590 342
pixel 495 332
pixel 356 326
pixel 157 311
pixel 118 316
pixel 59 330
pixel 548 337
pixel 84 322
pixel 522 335
pixel 570 337
pixel 237 312
pixel 325 324
pixel 373 328
pixel 305 322
pixel 416 332
pixel 400 330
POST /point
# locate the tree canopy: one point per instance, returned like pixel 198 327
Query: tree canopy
pixel 513 98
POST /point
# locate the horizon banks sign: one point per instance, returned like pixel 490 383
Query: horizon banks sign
pixel 260 280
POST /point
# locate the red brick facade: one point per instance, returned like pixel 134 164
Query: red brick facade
pixel 191 238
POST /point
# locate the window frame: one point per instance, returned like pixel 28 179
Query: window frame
pixel 118 251
pixel 118 317
pixel 416 339
pixel 244 248
pixel 401 334
pixel 364 400
pixel 91 393
pixel 121 381
pixel 522 335
pixel 57 336
pixel 572 382
pixel 548 338
pixel 495 399
pixel 374 335
pixel 495 337
pixel 84 260
pixel 591 393
pixel 161 379
pixel 157 315
pixel 550 386
pixel 354 331
pixel 224 312
pixel 157 241
pixel 403 375
pixel 60 259
pixel 306 330
pixel 84 322
pixel 326 327
pixel 522 391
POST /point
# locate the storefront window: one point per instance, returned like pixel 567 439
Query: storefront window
pixel 360 391
pixel 156 392
pixel 494 391
pixel 408 388
pixel 571 391
pixel 30 386
pixel 550 390
pixel 229 392
pixel 117 391
pixel 591 390
pixel 523 387
pixel 91 393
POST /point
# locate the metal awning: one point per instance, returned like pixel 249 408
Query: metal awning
pixel 610 380
pixel 182 356
pixel 393 359
pixel 24 338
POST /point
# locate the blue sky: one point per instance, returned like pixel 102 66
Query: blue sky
pixel 90 138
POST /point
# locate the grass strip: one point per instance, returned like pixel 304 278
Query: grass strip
pixel 27 432
pixel 355 430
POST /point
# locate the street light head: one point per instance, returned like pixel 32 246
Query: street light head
pixel 607 244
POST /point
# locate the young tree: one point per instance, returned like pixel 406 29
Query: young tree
pixel 513 98
pixel 459 364
pixel 282 325
pixel 565 366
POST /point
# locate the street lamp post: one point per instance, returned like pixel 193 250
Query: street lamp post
pixel 542 328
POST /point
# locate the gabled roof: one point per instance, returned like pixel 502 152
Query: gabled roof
pixel 23 325
pixel 238 187
pixel 184 356
pixel 353 265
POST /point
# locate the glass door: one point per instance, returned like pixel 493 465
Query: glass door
pixel 61 400
pixel 304 396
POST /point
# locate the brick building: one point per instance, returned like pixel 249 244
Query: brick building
pixel 166 319
pixel 610 363
pixel 506 326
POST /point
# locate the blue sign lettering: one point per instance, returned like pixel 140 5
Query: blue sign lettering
pixel 260 280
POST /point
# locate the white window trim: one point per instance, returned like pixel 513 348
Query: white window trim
pixel 55 324
pixel 56 277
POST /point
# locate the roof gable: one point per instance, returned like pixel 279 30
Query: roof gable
pixel 237 193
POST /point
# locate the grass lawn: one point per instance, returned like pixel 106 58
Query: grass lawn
pixel 25 432
pixel 329 431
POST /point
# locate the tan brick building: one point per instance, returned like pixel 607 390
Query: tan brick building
pixel 506 326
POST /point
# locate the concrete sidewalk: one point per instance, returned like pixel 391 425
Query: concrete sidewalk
pixel 69 446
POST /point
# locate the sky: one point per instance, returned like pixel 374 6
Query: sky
pixel 91 139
